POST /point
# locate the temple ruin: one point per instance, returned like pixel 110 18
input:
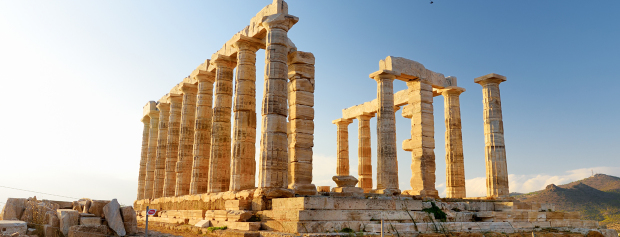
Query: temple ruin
pixel 198 165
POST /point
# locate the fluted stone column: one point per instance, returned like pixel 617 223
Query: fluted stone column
pixel 172 147
pixel 150 163
pixel 186 139
pixel 455 164
pixel 273 163
pixel 495 150
pixel 143 156
pixel 387 164
pixel 219 163
pixel 162 142
pixel 342 159
pixel 243 163
pixel 422 142
pixel 364 152
pixel 202 133
pixel 301 122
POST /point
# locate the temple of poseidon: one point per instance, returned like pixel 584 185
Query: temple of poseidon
pixel 194 172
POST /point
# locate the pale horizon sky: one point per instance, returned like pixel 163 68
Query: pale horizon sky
pixel 76 75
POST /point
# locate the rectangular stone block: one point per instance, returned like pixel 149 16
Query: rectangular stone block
pixel 537 216
pixel 238 215
pixel 303 203
pixel 300 84
pixel 571 215
pixel 274 123
pixel 301 112
pixel 300 57
pixel 203 224
pixel 300 172
pixel 304 70
pixel 547 207
pixel 522 206
pixel 90 221
pixel 555 216
pixel 301 140
pixel 8 227
pixel 244 204
pixel 301 126
pixel 274 104
pixel 503 206
pixel 299 154
pixel 301 98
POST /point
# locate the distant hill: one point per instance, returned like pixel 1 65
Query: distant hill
pixel 596 198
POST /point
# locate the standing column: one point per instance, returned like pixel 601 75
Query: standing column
pixel 243 163
pixel 387 164
pixel 172 147
pixel 495 151
pixel 162 142
pixel 150 163
pixel 301 122
pixel 143 156
pixel 273 146
pixel 364 152
pixel 422 142
pixel 219 163
pixel 186 139
pixel 455 164
pixel 202 132
pixel 342 159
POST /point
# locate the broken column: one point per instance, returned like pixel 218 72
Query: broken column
pixel 387 164
pixel 172 146
pixel 273 163
pixel 364 152
pixel 301 122
pixel 422 142
pixel 495 151
pixel 243 162
pixel 202 130
pixel 150 162
pixel 219 162
pixel 143 155
pixel 186 139
pixel 162 142
pixel 344 181
pixel 455 164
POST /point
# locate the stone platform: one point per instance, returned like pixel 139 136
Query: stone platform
pixel 408 215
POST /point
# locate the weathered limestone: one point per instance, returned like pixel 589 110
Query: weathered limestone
pixel 202 130
pixel 68 218
pixel 13 209
pixel 422 142
pixel 172 146
pixel 186 139
pixel 387 164
pixel 8 227
pixel 342 165
pixel 112 213
pixel 219 162
pixel 162 142
pixel 455 164
pixel 364 153
pixel 301 125
pixel 243 163
pixel 495 151
pixel 129 220
pixel 151 159
pixel 273 156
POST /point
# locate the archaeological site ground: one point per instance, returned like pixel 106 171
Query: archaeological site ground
pixel 198 160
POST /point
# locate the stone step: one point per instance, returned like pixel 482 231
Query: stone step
pixel 330 203
pixel 345 215
pixel 228 215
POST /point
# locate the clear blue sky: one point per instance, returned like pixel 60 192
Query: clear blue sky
pixel 76 74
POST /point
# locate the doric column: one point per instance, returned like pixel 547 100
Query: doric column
pixel 273 166
pixel 186 139
pixel 364 152
pixel 342 134
pixel 301 122
pixel 387 164
pixel 422 142
pixel 150 163
pixel 143 156
pixel 243 163
pixel 219 163
pixel 495 151
pixel 162 142
pixel 202 132
pixel 172 147
pixel 455 164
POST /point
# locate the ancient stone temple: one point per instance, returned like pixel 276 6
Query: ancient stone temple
pixel 198 157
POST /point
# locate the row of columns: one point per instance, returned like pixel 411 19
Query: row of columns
pixel 422 144
pixel 187 143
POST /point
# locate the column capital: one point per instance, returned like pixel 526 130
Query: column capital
pixel 280 21
pixel 384 74
pixel 451 90
pixel 163 106
pixel 154 114
pixel 203 75
pixel 490 78
pixel 242 42
pixel 365 116
pixel 145 119
pixel 172 97
pixel 188 88
pixel 223 61
pixel 342 121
